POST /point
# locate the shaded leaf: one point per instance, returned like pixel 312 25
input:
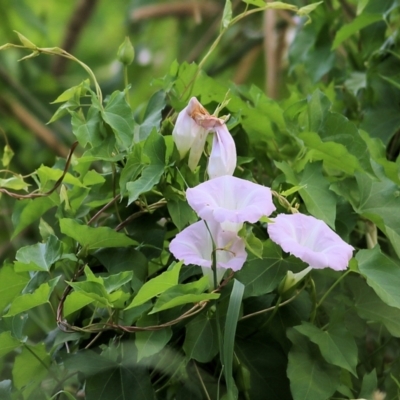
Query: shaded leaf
pixel 382 274
pixel 309 378
pixel 11 284
pixel 336 344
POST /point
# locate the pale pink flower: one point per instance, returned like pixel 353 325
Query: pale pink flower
pixel 192 126
pixel 194 245
pixel 230 201
pixel 311 240
pixel 223 158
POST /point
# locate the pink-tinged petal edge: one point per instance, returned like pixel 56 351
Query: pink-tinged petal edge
pixel 311 240
pixel 232 199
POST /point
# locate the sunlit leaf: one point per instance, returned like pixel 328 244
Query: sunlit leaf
pixel 94 238
pixel 157 285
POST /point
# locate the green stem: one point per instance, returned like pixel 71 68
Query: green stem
pixel 332 287
pixel 126 83
pixel 313 295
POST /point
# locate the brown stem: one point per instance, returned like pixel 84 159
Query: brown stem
pixel 80 16
pixel 110 203
pixel 49 192
pixel 34 125
pixel 176 9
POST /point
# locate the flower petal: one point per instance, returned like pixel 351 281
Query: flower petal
pixel 184 132
pixel 230 199
pixel 194 246
pixel 197 147
pixel 311 240
pixel 223 153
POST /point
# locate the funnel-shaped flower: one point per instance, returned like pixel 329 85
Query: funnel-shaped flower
pixel 223 154
pixel 194 245
pixel 230 201
pixel 311 240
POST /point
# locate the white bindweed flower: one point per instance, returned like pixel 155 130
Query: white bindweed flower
pixel 186 131
pixel 311 240
pixel 223 154
pixel 194 245
pixel 230 201
pixel 192 126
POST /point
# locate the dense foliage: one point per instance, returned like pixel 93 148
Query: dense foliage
pixel 94 304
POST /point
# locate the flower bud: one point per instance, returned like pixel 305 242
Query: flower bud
pixel 126 52
pixel 291 280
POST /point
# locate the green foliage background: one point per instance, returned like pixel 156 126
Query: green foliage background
pixel 92 303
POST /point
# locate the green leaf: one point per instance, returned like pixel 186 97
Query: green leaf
pixel 319 199
pixel 157 285
pixel 339 129
pixel 318 109
pixel 15 182
pixel 87 130
pixel 30 367
pixel 8 155
pixel 25 41
pixel 151 175
pixel 93 290
pixel 75 301
pixel 309 377
pixel 11 284
pixel 106 378
pixel 382 274
pixel 73 92
pixel 258 3
pixel 28 301
pixel 124 259
pixel 42 255
pixel 227 14
pixel 181 213
pixel 263 276
pixel 28 211
pixel 336 344
pixel 5 389
pixel 355 26
pixel 279 5
pixel 152 117
pixel 155 148
pixel 334 155
pixel 118 115
pixel 303 11
pixel 94 238
pixel 7 343
pixel 267 365
pixel 114 282
pixel 232 316
pixel 379 201
pixel 371 308
pixel 92 178
pixel 132 169
pixel 184 294
pixel 253 243
pixel 201 339
pixel 47 174
pixel 151 342
pixel 369 384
